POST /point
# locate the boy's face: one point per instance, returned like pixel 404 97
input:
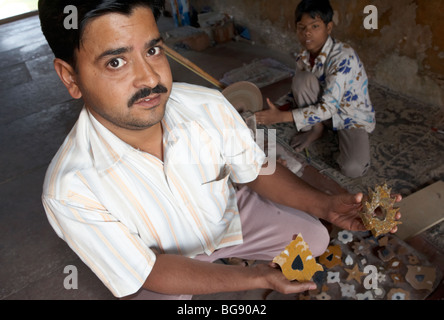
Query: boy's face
pixel 313 33
pixel 119 56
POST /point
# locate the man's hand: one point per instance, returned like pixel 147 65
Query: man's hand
pixel 343 211
pixel 278 282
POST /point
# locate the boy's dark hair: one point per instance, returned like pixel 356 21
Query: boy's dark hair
pixel 315 8
pixel 62 41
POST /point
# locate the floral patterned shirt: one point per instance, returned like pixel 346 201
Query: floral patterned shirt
pixel 345 98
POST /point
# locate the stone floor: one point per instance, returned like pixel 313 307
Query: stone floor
pixel 36 113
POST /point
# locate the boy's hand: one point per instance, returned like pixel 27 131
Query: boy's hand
pixel 304 139
pixel 273 115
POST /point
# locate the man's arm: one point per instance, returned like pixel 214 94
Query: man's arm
pixel 286 188
pixel 174 274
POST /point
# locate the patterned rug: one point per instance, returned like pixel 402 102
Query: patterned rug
pixel 358 266
pixel 406 153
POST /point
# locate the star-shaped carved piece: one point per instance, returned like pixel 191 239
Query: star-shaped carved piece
pixel 354 274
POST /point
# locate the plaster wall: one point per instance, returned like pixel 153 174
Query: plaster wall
pixel 405 54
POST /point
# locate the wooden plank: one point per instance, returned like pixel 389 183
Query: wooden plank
pixel 421 210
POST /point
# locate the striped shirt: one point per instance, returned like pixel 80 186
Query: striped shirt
pixel 345 98
pixel 117 207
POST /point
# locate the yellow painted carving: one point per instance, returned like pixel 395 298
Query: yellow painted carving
pixel 297 262
pixel 331 257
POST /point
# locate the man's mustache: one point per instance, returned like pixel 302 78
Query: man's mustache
pixel 146 92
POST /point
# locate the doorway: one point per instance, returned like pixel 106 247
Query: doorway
pixel 15 9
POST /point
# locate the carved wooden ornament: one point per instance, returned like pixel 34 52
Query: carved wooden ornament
pixel 379 198
pixel 421 277
pixel 331 257
pixel 297 262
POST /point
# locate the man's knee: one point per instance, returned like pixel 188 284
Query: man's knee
pixel 318 240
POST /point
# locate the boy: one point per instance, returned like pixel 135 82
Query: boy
pixel 330 87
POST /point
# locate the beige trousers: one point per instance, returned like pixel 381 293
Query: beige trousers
pixel 267 228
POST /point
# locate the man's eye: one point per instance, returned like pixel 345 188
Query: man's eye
pixel 116 63
pixel 153 51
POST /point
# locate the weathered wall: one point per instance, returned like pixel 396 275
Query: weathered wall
pixel 405 53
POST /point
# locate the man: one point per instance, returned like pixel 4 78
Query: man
pixel 330 88
pixel 142 188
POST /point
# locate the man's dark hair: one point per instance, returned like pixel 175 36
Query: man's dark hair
pixel 62 41
pixel 315 8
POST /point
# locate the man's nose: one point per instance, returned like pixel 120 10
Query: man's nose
pixel 145 75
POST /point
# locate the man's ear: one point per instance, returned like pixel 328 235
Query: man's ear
pixel 68 76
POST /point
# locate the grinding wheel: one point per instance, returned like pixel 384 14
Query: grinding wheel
pixel 244 96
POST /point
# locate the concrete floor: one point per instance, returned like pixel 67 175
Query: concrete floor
pixel 36 114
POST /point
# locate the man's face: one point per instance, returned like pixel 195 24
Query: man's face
pixel 313 33
pixel 122 71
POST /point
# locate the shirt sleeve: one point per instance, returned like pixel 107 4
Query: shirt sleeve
pixel 118 257
pixel 338 75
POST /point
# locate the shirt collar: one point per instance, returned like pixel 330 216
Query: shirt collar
pixel 106 147
pixel 322 57
pixel 177 115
